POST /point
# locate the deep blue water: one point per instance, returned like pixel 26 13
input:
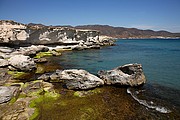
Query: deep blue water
pixel 160 59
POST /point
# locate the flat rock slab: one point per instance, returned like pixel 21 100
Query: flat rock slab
pixel 6 93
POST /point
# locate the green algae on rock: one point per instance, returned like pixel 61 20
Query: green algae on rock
pixel 20 75
pixel 47 54
pixel 87 93
pixel 47 67
pixel 46 97
pixel 43 54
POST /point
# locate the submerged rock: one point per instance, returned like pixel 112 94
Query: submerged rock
pixel 36 87
pixel 40 60
pixel 6 93
pixel 44 77
pixel 22 63
pixel 130 74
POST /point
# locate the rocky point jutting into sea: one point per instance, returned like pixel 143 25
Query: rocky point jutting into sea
pixel 22 62
pixel 32 84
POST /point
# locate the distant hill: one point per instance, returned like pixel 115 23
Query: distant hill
pixel 34 24
pixel 121 32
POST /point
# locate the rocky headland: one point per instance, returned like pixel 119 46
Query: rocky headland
pixel 18 34
pixel 26 78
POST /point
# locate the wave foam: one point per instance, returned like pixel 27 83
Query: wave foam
pixel 144 102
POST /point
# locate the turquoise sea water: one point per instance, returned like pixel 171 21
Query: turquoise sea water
pixel 160 59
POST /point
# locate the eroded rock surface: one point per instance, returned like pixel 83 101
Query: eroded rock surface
pixel 14 33
pixel 22 63
pixel 6 93
pixel 18 111
pixel 130 74
pixel 74 79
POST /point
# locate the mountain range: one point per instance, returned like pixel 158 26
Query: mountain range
pixel 121 32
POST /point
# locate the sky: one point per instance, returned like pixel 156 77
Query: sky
pixel 142 14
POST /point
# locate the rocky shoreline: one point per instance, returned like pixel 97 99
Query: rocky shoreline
pixel 23 83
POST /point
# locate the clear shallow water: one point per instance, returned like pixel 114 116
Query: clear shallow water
pixel 160 59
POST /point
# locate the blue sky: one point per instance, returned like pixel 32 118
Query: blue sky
pixel 143 14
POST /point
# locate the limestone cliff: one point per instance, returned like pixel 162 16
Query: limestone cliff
pixel 12 31
pixel 20 34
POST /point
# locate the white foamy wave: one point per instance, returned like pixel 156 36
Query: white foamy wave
pixel 144 102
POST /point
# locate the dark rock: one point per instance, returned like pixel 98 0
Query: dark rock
pixel 40 60
pixel 45 77
pixel 130 74
pixel 56 76
pixel 3 76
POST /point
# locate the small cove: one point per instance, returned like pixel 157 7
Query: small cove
pixel 159 95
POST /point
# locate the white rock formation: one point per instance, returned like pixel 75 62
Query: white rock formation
pixel 22 63
pixel 74 79
pixel 16 33
pixel 11 31
pixel 130 74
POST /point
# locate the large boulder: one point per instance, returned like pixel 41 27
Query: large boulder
pixel 6 93
pixel 106 40
pixel 130 74
pixel 80 79
pixel 22 63
pixel 33 50
pixel 74 79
